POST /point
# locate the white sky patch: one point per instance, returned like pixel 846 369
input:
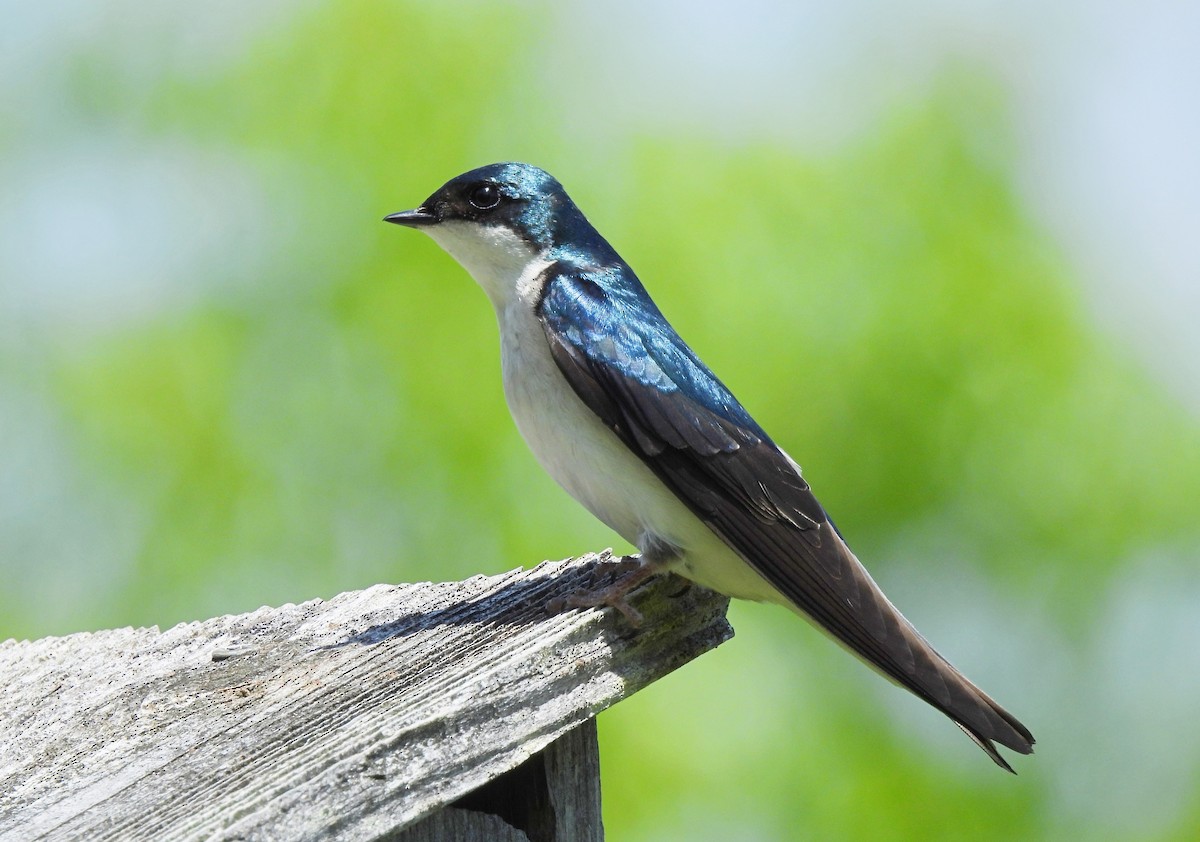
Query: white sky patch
pixel 101 234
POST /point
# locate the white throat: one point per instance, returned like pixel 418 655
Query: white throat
pixel 501 262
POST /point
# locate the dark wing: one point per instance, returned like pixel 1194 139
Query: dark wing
pixel 630 367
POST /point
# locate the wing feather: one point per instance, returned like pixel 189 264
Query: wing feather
pixel 634 372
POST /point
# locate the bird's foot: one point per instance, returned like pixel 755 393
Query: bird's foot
pixel 614 595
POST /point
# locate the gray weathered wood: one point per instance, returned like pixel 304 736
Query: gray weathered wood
pixel 553 796
pixel 460 825
pixel 346 719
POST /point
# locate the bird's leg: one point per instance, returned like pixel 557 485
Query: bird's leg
pixel 614 596
pixel 656 558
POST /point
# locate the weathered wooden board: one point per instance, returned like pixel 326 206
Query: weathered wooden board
pixel 347 718
pixel 553 796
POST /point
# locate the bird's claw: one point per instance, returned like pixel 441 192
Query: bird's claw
pixel 597 599
pixel 612 596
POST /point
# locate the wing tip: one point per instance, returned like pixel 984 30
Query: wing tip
pixel 1022 745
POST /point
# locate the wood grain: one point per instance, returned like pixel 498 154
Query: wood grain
pixel 350 718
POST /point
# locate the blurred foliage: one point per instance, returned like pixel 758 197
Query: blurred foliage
pixel 887 312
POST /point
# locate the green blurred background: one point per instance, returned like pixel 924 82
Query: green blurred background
pixel 940 254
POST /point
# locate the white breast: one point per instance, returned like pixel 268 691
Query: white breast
pixel 599 470
pixel 570 442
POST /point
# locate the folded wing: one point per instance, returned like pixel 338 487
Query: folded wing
pixel 630 367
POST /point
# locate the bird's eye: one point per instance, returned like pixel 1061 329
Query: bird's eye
pixel 485 196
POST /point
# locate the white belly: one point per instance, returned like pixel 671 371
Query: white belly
pixel 597 469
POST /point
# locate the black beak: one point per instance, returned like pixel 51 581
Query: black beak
pixel 415 218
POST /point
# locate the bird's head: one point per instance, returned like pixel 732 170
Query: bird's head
pixel 500 219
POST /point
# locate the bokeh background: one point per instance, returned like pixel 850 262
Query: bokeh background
pixel 945 252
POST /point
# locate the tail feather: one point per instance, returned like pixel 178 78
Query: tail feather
pixel 886 641
pixel 933 678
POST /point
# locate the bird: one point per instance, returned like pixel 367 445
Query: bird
pixel 624 415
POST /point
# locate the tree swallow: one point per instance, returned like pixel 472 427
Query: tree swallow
pixel 626 418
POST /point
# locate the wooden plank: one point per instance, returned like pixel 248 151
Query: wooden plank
pixel 553 796
pixel 344 719
pixel 453 824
